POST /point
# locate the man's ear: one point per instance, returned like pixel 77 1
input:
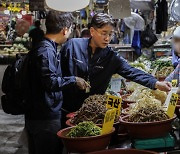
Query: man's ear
pixel 64 31
pixel 92 31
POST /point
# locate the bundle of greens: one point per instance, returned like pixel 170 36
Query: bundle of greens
pixel 138 65
pixel 161 63
pixel 85 129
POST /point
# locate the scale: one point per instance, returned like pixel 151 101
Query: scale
pixel 163 142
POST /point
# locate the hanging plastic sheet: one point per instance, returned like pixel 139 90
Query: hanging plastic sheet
pixel 136 43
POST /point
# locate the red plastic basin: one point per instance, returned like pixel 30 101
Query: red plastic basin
pixel 84 144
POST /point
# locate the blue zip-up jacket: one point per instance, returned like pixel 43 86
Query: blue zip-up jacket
pixel 47 82
pixel 77 60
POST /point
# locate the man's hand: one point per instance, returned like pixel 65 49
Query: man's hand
pixel 82 84
pixel 163 86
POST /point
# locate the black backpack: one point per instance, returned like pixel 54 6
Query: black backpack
pixel 16 85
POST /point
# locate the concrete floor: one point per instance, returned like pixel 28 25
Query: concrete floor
pixel 10 128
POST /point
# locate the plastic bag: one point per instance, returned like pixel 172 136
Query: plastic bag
pixel 148 38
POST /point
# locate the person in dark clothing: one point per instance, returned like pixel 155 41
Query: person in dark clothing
pixel 94 61
pixel 161 16
pixel 36 34
pixel 42 121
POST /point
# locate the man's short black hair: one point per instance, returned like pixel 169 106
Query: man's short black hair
pixel 56 21
pixel 100 20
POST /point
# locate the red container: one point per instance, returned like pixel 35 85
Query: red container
pixel 69 124
pixel 145 130
pixel 123 151
pixel 71 115
pixel 84 144
pixel 115 135
pixel 125 102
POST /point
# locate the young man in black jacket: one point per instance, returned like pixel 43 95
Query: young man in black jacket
pixel 43 119
pixel 94 61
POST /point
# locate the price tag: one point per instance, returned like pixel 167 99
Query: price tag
pixel 166 104
pixel 172 105
pixel 108 121
pixel 174 83
pixel 114 102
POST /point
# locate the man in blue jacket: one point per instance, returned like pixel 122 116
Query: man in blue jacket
pixel 94 61
pixel 42 121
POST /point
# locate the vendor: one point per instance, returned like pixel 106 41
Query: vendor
pixel 176 44
pixel 94 61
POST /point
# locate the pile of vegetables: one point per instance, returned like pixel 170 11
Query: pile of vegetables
pixel 24 38
pixel 146 100
pixel 140 92
pixel 97 99
pixel 19 45
pixel 163 62
pixel 93 109
pixel 164 72
pixel 140 66
pixel 84 129
pixel 148 113
pixel 142 63
pixel 164 67
pixel 16 48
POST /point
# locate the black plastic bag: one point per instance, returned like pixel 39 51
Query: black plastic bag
pixel 148 38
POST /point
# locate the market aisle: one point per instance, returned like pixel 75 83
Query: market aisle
pixel 10 130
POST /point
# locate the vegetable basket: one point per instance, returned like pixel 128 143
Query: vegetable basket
pixel 84 144
pixel 145 130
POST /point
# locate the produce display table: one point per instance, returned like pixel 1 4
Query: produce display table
pixel 161 50
pixel 125 51
pixel 6 59
pixel 5 45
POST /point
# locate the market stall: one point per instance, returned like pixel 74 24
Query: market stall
pixel 128 117
pixel 145 121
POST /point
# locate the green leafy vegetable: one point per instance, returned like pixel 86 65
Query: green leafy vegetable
pixel 139 65
pixel 161 63
pixel 85 129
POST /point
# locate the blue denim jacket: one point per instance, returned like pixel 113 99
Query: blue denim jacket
pixel 47 82
pixel 76 60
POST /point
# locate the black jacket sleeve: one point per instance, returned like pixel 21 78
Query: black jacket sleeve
pixel 133 74
pixel 51 77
